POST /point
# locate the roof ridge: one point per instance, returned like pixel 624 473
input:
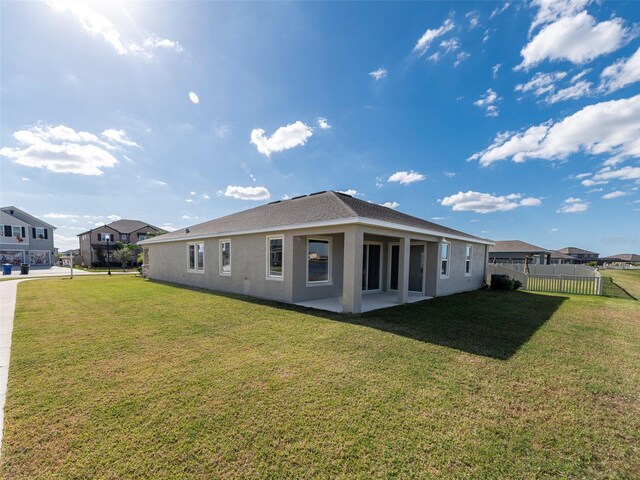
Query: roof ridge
pixel 337 195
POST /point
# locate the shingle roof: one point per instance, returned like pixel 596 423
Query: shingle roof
pixel 516 246
pixel 317 207
pixel 576 250
pixel 623 257
pixel 557 254
pixel 125 226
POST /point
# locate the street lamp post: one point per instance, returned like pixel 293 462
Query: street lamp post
pixel 108 260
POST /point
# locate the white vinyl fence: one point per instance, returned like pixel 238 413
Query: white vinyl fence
pixel 590 284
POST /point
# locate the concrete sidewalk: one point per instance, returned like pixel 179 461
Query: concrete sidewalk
pixel 7 310
pixel 56 271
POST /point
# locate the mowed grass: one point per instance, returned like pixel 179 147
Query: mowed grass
pixel 125 378
pixel 629 280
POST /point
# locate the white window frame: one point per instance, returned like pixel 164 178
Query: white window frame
pixel 123 237
pixel 101 237
pixel 329 280
pixel 1 230
pixel 269 276
pixel 379 289
pixel 448 259
pixel 13 231
pixel 42 229
pixel 468 260
pixel 222 272
pixel 195 246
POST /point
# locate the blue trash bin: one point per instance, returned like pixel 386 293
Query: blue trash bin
pixel 6 269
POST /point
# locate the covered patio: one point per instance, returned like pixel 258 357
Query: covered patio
pixel 370 301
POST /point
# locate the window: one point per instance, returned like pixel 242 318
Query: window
pixel 274 257
pixel 141 237
pixel 124 237
pixel 40 233
pixel 17 231
pixel 318 260
pixel 105 237
pixel 225 257
pixel 467 260
pixel 195 257
pixel 444 260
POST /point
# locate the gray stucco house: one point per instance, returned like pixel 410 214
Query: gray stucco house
pixel 517 251
pixel 25 238
pixel 326 250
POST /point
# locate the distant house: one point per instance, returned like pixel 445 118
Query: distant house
pixel 326 250
pixel 516 251
pixel 620 258
pixel 106 236
pixel 581 255
pixel 559 258
pixel 25 238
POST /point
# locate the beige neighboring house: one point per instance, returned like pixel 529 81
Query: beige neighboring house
pixel 516 251
pixel 106 236
pixel 326 250
pixel 25 239
pixel 580 254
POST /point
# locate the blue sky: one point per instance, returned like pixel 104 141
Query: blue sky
pixel 509 121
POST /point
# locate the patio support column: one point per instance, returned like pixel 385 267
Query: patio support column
pixel 352 271
pixel 403 269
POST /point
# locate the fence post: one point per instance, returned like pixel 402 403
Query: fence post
pixel 560 285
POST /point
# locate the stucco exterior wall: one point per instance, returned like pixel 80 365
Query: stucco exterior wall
pixel 457 281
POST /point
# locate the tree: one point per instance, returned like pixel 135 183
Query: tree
pixel 124 256
pixel 100 255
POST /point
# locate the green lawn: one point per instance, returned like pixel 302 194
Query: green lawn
pixel 125 378
pixel 629 280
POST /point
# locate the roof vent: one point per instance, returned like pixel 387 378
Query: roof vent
pixel 299 196
pixel 273 203
pixel 317 193
pixel 186 230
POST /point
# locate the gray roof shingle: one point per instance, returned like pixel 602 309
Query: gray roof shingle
pixel 516 246
pixel 316 207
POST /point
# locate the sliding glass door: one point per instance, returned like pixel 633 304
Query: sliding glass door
pixel 371 267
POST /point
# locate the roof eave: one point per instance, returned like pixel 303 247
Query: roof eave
pixel 328 223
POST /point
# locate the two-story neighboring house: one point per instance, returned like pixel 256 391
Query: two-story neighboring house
pixel 581 255
pixel 25 238
pixel 106 236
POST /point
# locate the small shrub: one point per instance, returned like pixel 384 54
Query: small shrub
pixel 516 284
pixel 504 282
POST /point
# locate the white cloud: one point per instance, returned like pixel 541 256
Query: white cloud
pixel 430 35
pixel 193 96
pixel 284 138
pixel 351 192
pixel 541 83
pixel 392 205
pixel 323 123
pixel 25 179
pixel 603 128
pixel 64 242
pixel 97 25
pixel 624 173
pixel 379 74
pixel 577 90
pixel 61 150
pixel 168 227
pixel 488 103
pixel 119 136
pixel 450 45
pixel 582 175
pixel 159 183
pixel 192 193
pixel 498 10
pixel 474 19
pixel 487 203
pixel 578 39
pixel 495 69
pixel 551 10
pixel 573 205
pixel 614 194
pixel 205 196
pixel 461 57
pixel 449 174
pixel 114 218
pixel 553 230
pixel 189 200
pixel 60 215
pixel 405 178
pixel 623 72
pixel 247 193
